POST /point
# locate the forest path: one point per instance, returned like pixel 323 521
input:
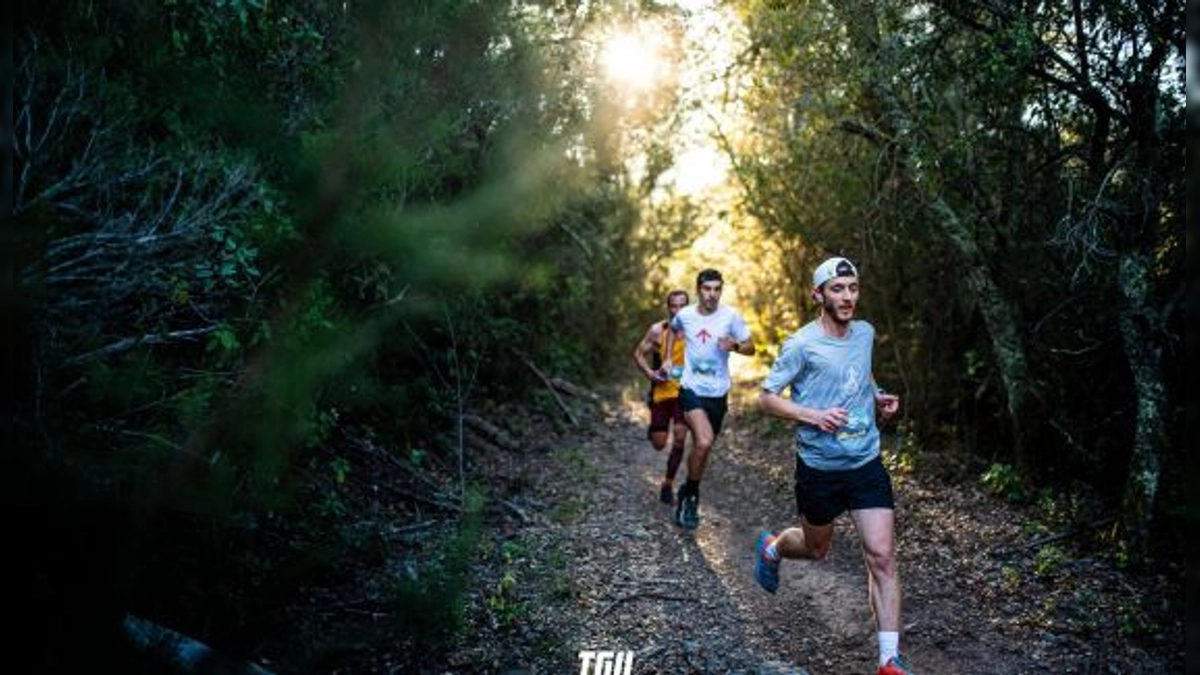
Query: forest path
pixel 686 602
pixel 581 555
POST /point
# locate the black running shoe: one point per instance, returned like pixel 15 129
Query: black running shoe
pixel 687 511
pixel 665 494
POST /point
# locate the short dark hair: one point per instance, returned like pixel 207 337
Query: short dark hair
pixel 677 291
pixel 709 274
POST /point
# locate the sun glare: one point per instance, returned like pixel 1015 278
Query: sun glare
pixel 633 59
pixel 700 169
pixel 711 123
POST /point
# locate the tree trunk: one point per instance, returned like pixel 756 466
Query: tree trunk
pixel 1002 322
pixel 1140 320
pixel 1149 437
pixel 999 316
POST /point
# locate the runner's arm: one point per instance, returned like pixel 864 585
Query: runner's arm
pixel 744 347
pixel 644 347
pixel 827 419
pixel 669 350
pixel 888 404
pixel 739 341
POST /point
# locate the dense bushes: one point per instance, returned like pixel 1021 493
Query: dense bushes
pixel 245 233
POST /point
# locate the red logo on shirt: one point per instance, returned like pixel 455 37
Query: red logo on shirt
pixel 703 335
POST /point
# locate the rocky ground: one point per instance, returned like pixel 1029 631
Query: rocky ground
pixel 576 553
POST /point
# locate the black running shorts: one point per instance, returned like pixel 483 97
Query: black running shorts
pixel 714 406
pixel 822 496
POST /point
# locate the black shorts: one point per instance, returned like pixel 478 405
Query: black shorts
pixel 713 406
pixel 822 496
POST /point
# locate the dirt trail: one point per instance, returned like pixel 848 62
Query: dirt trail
pixel 686 601
pixel 599 565
pixel 573 551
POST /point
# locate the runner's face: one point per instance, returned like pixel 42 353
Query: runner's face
pixel 676 303
pixel 710 295
pixel 840 298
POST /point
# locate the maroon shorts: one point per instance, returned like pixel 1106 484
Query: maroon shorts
pixel 662 412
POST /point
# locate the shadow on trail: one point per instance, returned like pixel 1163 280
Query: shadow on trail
pixel 819 618
pixel 684 601
pixel 687 601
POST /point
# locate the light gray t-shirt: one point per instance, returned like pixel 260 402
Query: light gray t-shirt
pixel 824 372
pixel 705 364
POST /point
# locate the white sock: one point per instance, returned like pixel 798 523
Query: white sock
pixel 889 645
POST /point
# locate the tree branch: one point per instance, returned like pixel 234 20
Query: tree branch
pixel 550 386
pixel 132 342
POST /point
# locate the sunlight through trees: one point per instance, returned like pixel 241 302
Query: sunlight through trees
pixel 260 250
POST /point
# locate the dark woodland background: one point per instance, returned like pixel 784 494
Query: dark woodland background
pixel 246 235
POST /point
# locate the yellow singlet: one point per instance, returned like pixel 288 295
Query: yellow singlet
pixel 670 388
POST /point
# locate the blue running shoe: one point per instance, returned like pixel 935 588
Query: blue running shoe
pixel 766 572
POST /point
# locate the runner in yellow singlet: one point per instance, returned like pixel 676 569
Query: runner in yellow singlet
pixel 666 417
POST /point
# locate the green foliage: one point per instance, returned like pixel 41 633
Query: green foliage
pixel 195 405
pixel 1004 480
pixel 1049 561
pixel 223 342
pixel 901 447
pixel 1122 554
pixel 417 457
pixel 1010 578
pixel 504 601
pixel 340 468
pixel 975 364
pixel 567 512
pixel 1076 505
pixel 1004 55
pixel 1135 621
pixel 505 608
pixel 330 505
pixel 992 202
pixel 431 607
pixel 575 459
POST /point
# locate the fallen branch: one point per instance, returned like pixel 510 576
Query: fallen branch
pixel 653 580
pixel 491 432
pixel 550 385
pixel 187 654
pixel 130 343
pixel 573 389
pixel 651 595
pixel 1094 525
pixel 428 501
pixel 647 655
pixel 478 442
pixel 398 530
pixel 406 529
pixel 517 510
pixel 434 501
pixel 372 449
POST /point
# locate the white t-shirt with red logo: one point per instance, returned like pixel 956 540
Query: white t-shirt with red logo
pixel 705 364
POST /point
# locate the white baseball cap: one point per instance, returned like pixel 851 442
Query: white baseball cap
pixel 834 267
